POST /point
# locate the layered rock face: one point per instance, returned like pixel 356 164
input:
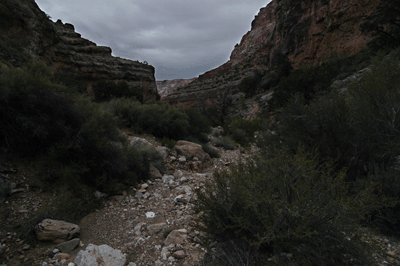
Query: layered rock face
pixel 306 31
pixel 24 24
pixel 166 87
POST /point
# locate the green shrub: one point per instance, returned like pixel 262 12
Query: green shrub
pixel 160 119
pixel 224 142
pixel 359 128
pixel 242 130
pixel 169 143
pixel 34 112
pixel 308 81
pixel 288 203
pixel 250 84
pixel 199 125
pixel 78 140
pixel 211 151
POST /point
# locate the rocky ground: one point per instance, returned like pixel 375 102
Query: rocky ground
pixel 153 224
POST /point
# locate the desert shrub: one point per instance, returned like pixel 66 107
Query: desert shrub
pixel 232 253
pixel 288 203
pixel 249 85
pixel 96 155
pixel 160 119
pixel 34 112
pixel 164 120
pixel 242 130
pixel 211 151
pixel 127 111
pixel 169 143
pixel 224 142
pixel 308 81
pixel 77 139
pixel 359 127
pixel 199 125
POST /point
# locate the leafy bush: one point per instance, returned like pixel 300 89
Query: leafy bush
pixel 360 128
pixel 34 112
pixel 160 119
pixel 78 140
pixel 242 130
pixel 288 203
pixel 199 125
pixel 224 142
pixel 169 143
pixel 211 151
pixel 249 85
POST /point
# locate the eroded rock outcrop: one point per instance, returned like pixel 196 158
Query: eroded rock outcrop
pixel 305 31
pixel 166 87
pixel 26 31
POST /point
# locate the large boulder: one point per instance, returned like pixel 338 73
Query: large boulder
pixel 191 150
pixel 100 256
pixel 141 144
pixel 56 231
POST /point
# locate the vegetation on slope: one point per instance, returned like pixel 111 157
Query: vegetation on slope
pixel 330 165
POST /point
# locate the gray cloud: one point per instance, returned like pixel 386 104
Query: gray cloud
pixel 180 38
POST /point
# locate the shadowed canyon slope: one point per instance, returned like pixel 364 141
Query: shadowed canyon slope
pixel 25 29
pixel 306 31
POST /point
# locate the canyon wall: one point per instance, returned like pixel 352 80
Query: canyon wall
pixel 24 28
pixel 306 31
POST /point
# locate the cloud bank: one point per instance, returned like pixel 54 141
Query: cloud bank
pixel 180 38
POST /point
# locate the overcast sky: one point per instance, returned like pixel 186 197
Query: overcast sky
pixel 180 38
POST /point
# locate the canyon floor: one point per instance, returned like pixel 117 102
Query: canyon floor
pixel 138 221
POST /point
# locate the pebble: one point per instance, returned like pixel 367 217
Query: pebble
pixel 150 214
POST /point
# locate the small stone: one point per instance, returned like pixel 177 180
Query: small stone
pixel 155 228
pixel 180 254
pixel 176 237
pixel 165 255
pixel 167 179
pixel 131 264
pixel 69 246
pixel 391 253
pixel 150 214
pixel 180 200
pixel 182 159
pixel 17 190
pixel 26 247
pixel 63 256
pixel 139 195
pixel 99 195
pixel 158 263
pixel 2 248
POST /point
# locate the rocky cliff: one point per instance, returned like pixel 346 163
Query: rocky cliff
pixel 166 87
pixel 26 31
pixel 305 31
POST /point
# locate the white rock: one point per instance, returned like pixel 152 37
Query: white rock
pixel 167 179
pixel 150 214
pixel 104 254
